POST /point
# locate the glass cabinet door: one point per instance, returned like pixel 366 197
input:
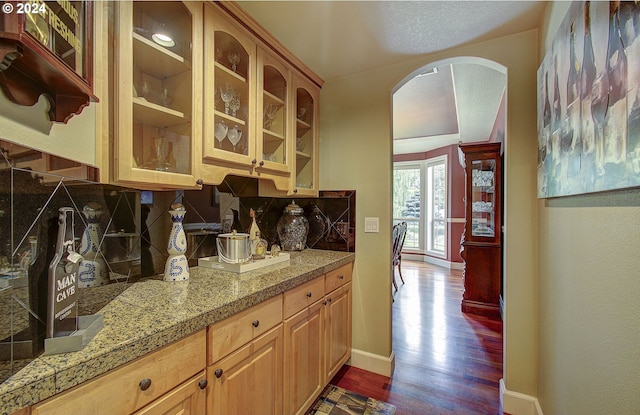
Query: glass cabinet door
pixel 306 154
pixel 273 107
pixel 158 75
pixel 483 218
pixel 229 85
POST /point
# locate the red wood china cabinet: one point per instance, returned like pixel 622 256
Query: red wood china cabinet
pixel 481 245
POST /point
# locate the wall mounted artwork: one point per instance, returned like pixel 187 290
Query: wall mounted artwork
pixel 589 101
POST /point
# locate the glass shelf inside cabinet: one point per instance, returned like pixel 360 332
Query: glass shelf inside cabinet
pixel 274 117
pixel 162 91
pixel 304 139
pixel 482 198
pixel 231 105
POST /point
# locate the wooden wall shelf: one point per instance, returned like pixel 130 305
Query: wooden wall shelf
pixel 28 68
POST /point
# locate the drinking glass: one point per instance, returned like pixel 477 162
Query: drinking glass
pixel 234 105
pixel 269 115
pixel 227 92
pixel 234 135
pixel 234 59
pixel 220 131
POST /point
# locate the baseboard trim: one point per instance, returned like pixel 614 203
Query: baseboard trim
pixel 432 260
pixel 516 403
pixel 373 362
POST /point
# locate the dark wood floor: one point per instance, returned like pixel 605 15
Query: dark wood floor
pixel 447 362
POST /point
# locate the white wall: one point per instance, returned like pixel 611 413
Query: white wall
pixel 589 295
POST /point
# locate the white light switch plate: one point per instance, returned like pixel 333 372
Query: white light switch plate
pixel 372 225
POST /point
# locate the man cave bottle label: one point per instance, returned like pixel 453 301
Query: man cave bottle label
pixel 62 317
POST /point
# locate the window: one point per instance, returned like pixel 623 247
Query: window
pixel 420 199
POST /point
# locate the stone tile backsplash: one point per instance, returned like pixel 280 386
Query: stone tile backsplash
pixel 134 227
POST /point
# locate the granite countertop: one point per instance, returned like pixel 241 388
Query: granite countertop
pixel 153 313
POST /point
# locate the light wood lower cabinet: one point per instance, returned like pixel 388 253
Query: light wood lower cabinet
pixel 337 341
pixel 317 340
pixel 304 376
pixel 249 380
pixel 273 358
pixel 125 390
pixel 187 399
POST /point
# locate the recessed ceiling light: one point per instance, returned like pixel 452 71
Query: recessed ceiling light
pixel 163 40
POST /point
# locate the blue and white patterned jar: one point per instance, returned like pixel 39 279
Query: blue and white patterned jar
pixel 177 267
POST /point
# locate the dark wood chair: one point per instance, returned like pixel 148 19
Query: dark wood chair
pixel 398 236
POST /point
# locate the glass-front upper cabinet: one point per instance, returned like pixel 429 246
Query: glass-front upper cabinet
pixel 483 196
pixel 230 68
pixel 305 180
pixel 274 131
pixel 159 80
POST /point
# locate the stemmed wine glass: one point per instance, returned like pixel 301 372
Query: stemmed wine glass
pixel 234 59
pixel 220 131
pixel 269 114
pixel 227 92
pixel 234 136
pixel 234 105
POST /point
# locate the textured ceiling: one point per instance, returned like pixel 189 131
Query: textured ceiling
pixel 341 38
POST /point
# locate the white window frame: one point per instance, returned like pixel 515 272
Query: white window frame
pixel 426 217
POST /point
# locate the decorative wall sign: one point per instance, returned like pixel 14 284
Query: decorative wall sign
pixel 589 102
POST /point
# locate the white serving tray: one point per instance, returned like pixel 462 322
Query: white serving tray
pixel 214 263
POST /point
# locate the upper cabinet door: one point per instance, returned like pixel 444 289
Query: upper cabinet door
pixel 230 85
pixel 273 133
pixel 305 180
pixel 159 84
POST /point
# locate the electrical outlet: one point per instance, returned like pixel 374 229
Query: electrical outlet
pixel 371 225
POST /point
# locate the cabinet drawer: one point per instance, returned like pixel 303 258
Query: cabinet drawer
pixel 337 277
pixel 120 392
pixel 302 296
pixel 227 335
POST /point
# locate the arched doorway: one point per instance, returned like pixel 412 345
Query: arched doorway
pixel 425 324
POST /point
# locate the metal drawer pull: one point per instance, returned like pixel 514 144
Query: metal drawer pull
pixel 203 383
pixel 218 373
pixel 340 277
pixel 255 323
pixel 309 295
pixel 145 384
pixel 329 299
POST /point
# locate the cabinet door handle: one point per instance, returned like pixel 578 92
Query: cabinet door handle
pixel 329 299
pixel 254 161
pixel 295 190
pixel 203 383
pixel 199 182
pixel 340 277
pixel 324 302
pixel 261 163
pixel 309 295
pixel 145 384
pixel 218 373
pixel 255 323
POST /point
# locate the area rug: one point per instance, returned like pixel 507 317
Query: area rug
pixel 337 401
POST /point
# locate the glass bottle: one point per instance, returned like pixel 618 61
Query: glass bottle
pixel 253 230
pixel 62 313
pixel 599 105
pixel 572 147
pixel 259 246
pixel 615 124
pixel 556 133
pixel 588 133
